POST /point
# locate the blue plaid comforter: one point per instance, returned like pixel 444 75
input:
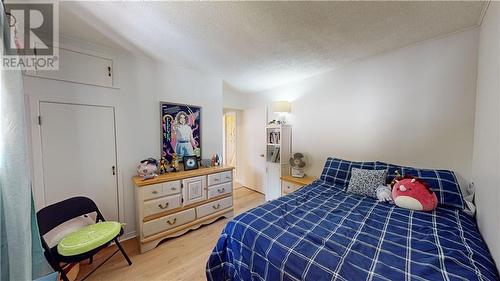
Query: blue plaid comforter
pixel 323 233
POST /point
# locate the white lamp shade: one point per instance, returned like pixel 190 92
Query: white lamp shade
pixel 281 106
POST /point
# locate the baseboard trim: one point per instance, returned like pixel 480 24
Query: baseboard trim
pixel 129 235
pixel 251 189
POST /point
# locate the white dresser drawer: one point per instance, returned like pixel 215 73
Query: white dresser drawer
pixel 214 179
pixel 171 187
pixel 213 207
pixel 168 222
pixel 288 187
pixel 226 176
pixel 162 204
pixel 152 191
pixel 221 189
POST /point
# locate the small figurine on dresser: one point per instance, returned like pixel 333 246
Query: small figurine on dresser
pixel 216 160
pixel 163 169
pixel 206 163
pixel 175 163
pixel 147 168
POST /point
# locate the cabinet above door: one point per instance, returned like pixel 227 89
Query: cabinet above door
pixel 79 67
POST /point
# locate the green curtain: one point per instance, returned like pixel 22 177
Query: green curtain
pixel 21 256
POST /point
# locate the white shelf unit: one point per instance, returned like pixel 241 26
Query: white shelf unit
pixel 278 151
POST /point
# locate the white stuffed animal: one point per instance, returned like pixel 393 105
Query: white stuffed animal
pixel 147 168
pixel 384 193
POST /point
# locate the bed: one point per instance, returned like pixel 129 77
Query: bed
pixel 321 232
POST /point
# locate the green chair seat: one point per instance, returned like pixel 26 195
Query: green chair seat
pixel 88 238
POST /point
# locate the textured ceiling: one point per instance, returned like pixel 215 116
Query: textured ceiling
pixel 259 45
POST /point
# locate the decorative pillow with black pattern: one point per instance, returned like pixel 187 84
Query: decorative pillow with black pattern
pixel 365 182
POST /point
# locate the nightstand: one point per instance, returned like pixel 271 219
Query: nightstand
pixel 290 184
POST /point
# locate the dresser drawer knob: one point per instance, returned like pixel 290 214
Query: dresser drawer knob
pixel 220 190
pixel 216 179
pixel 172 222
pixel 216 207
pixel 228 177
pixel 173 188
pixel 163 207
pixel 154 192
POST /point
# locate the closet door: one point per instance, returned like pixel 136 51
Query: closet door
pixel 79 154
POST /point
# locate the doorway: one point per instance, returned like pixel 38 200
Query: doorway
pixel 78 154
pixel 230 143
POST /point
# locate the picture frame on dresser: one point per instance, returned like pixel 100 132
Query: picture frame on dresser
pixel 190 163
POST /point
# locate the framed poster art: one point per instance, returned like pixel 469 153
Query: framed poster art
pixel 180 131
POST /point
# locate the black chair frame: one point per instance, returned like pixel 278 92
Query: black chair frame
pixel 54 215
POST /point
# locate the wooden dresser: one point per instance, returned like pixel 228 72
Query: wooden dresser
pixel 172 204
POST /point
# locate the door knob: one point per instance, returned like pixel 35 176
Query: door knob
pixel 114 170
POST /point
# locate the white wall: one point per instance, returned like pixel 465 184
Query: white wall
pixel 142 85
pixel 485 166
pixel 234 99
pixel 411 106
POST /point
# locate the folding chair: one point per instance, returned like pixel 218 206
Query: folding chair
pixel 56 214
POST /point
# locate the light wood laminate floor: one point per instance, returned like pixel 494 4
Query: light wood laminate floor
pixel 181 258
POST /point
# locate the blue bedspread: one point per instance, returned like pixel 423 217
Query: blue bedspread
pixel 323 233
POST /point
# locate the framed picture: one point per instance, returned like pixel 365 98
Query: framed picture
pixel 180 131
pixel 190 163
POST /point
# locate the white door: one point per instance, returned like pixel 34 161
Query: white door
pixel 254 160
pixel 194 190
pixel 79 154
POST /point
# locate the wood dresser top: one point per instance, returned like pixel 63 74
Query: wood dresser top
pixel 138 181
pixel 300 181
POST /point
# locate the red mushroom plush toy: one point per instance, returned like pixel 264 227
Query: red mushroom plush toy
pixel 414 194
